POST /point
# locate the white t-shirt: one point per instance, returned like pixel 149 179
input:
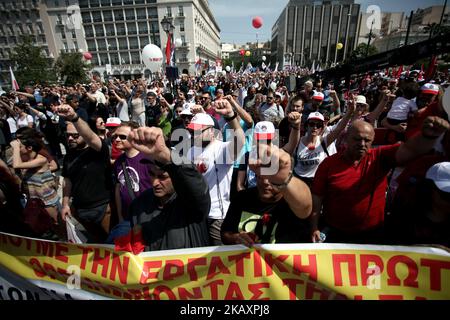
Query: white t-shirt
pixel 122 111
pixel 271 112
pixel 12 125
pixel 400 109
pixel 216 164
pixel 307 161
pixel 24 122
pixel 100 97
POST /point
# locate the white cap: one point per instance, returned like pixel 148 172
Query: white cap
pixel 186 112
pixel 440 174
pixel 318 96
pixel 316 116
pixel 113 122
pixel 361 99
pixel 264 130
pixel 201 121
pixel 191 93
pixel 430 88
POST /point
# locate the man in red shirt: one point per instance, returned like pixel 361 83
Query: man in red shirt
pixel 349 187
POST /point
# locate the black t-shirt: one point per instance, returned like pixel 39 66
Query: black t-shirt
pixel 289 228
pixel 91 176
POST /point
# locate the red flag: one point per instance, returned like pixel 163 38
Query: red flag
pixel 399 72
pixel 168 49
pixel 431 69
pixel 420 77
pixel 14 84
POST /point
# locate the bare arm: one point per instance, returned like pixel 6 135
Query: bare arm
pixel 244 115
pixel 375 114
pixel 333 135
pixel 25 94
pixel 423 143
pixel 314 219
pixel 224 108
pixel 295 120
pixel 82 127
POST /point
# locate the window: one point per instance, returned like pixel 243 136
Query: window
pixel 181 11
pixel 120 29
pixel 63 35
pixel 118 15
pixel 97 16
pixel 107 16
pixel 112 44
pixel 95 3
pixel 123 44
pixel 141 14
pixel 83 3
pixel 56 3
pixel 114 57
pixel 116 2
pixel 169 12
pixel 127 1
pixel 131 28
pixel 40 27
pixel 58 19
pixel 183 39
pixel 86 16
pixel 134 43
pixel 110 31
pixel 152 13
pixel 65 48
pixel 91 45
pixel 101 43
pixel 181 27
pixel 129 13
pixel 99 32
pixel 139 1
pixel 106 3
pixel 74 35
pixel 104 59
pixel 125 58
pixel 89 31
pixel 42 38
pixel 135 58
pixel 144 41
pixel 143 27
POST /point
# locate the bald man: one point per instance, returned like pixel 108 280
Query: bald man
pixel 349 187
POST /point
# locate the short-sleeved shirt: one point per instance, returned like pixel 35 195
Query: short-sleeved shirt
pixel 91 176
pixel 138 169
pixel 354 196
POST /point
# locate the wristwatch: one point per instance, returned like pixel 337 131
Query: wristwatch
pixel 75 119
pixel 283 185
pixel 228 119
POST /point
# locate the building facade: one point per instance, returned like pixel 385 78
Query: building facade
pixel 113 31
pixel 308 31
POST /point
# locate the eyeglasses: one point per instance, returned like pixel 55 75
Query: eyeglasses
pixel 315 124
pixel 202 130
pixel 120 136
pixel 73 135
pixel 361 105
pixel 101 123
pixel 269 98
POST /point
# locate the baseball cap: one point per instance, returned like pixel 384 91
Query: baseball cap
pixel 430 88
pixel 318 96
pixel 361 99
pixel 113 122
pixel 316 116
pixel 201 121
pixel 186 112
pixel 264 130
pixel 440 174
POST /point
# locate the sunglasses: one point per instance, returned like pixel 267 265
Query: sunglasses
pixel 202 130
pixel 361 105
pixel 120 136
pixel 315 124
pixel 73 135
pixel 269 98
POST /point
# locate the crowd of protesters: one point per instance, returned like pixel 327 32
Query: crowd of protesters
pixel 235 158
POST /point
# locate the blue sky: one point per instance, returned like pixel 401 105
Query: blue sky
pixel 235 16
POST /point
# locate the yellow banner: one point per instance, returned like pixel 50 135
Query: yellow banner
pixel 266 272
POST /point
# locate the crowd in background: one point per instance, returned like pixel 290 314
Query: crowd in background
pixel 362 161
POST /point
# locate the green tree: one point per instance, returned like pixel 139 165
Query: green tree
pixel 31 65
pixel 71 68
pixel 361 51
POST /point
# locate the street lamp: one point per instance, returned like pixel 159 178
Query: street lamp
pixel 171 70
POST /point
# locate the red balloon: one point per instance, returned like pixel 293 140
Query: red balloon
pixel 242 52
pixel 257 22
pixel 87 55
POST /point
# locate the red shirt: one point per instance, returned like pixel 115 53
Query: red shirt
pixel 354 196
pixel 415 123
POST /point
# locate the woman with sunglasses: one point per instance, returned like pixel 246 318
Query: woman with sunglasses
pixel 317 144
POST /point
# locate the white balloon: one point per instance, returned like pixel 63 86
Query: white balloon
pixel 273 86
pixel 264 58
pixel 152 57
pixel 227 68
pixel 446 101
pixel 178 42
